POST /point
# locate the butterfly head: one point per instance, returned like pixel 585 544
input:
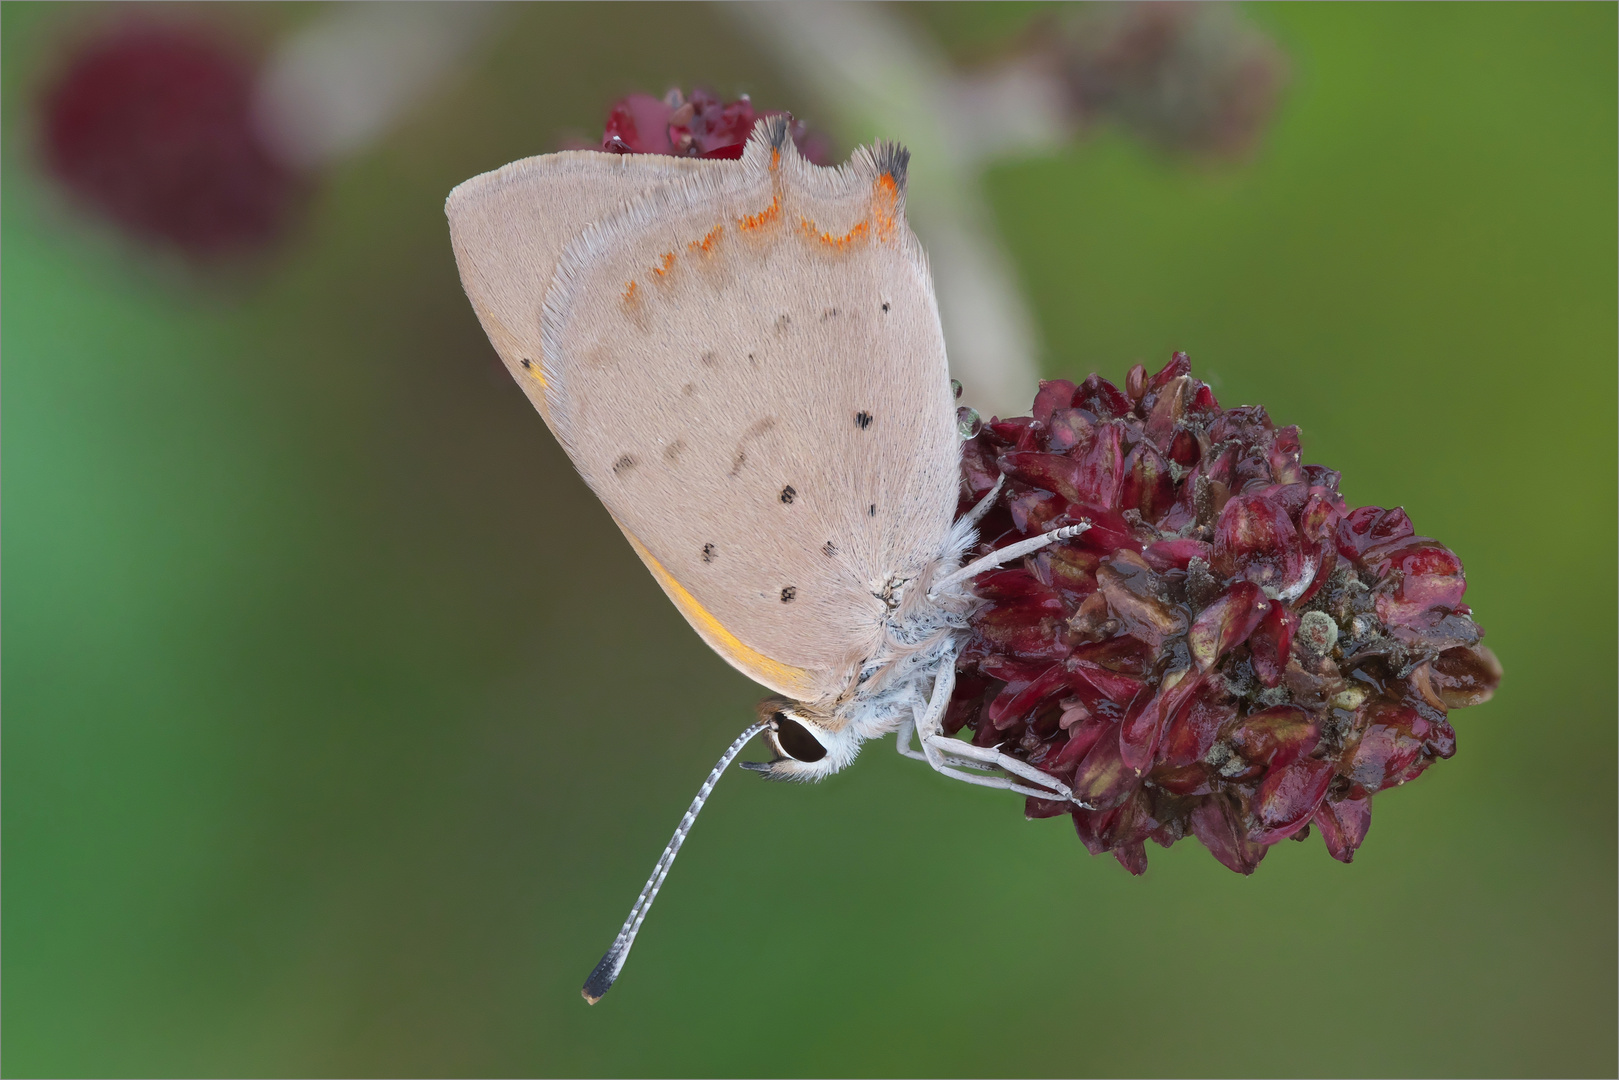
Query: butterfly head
pixel 809 744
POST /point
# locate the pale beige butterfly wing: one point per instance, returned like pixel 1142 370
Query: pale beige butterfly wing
pixel 508 228
pixel 746 366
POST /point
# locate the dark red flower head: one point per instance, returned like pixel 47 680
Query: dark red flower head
pixel 697 126
pixel 1229 651
pixel 152 125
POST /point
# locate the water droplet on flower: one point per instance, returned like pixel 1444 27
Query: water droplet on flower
pixel 968 423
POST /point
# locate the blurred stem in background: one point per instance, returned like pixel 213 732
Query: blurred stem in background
pixel 341 82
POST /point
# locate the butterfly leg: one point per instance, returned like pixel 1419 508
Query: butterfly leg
pixel 976 514
pixel 949 756
pixel 902 740
pixel 988 757
pixel 1006 554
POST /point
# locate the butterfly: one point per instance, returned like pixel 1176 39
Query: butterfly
pixel 744 361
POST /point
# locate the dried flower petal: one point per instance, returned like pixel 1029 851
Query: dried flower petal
pixel 1054 394
pixel 1226 623
pixel 1192 732
pixel 1148 485
pixel 1146 721
pixel 1459 677
pixel 1255 540
pixel 1275 736
pixel 1218 825
pixel 1101 468
pixel 1392 742
pixel 1426 576
pixel 1343 825
pixel 1098 396
pixel 1137 595
pixel 1289 796
pixel 1271 644
pixel 1103 780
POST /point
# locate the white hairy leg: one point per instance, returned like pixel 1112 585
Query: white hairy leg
pixel 942 752
pixel 976 514
pixel 988 757
pixel 1006 555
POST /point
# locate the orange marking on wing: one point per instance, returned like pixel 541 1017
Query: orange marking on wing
pixel 775 158
pixel 764 217
pixel 837 243
pixel 629 292
pixel 706 244
pixel 854 235
pixel 668 261
pixel 885 204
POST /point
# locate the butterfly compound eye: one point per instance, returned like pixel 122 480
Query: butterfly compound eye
pixel 796 741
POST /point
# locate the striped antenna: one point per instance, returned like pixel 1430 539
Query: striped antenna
pixel 601 980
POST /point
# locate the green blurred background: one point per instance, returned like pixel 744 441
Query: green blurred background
pixel 341 726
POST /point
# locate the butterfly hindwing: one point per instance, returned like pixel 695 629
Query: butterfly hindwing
pixel 747 367
pixel 744 361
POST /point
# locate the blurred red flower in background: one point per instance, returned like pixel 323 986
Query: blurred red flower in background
pixel 152 126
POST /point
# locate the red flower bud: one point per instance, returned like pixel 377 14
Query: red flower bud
pixel 699 126
pixel 153 127
pixel 1148 486
pixel 1054 394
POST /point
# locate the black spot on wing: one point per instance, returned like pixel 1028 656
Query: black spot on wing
pixel 862 420
pixel 624 464
pixel 871 511
pixel 788 594
pixel 829 548
pixel 788 494
pixel 885 307
pixel 709 552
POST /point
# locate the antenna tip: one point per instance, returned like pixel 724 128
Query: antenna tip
pixel 602 978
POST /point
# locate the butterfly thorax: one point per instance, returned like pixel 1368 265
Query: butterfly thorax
pixel 921 634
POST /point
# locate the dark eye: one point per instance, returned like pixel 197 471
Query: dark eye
pixel 796 741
